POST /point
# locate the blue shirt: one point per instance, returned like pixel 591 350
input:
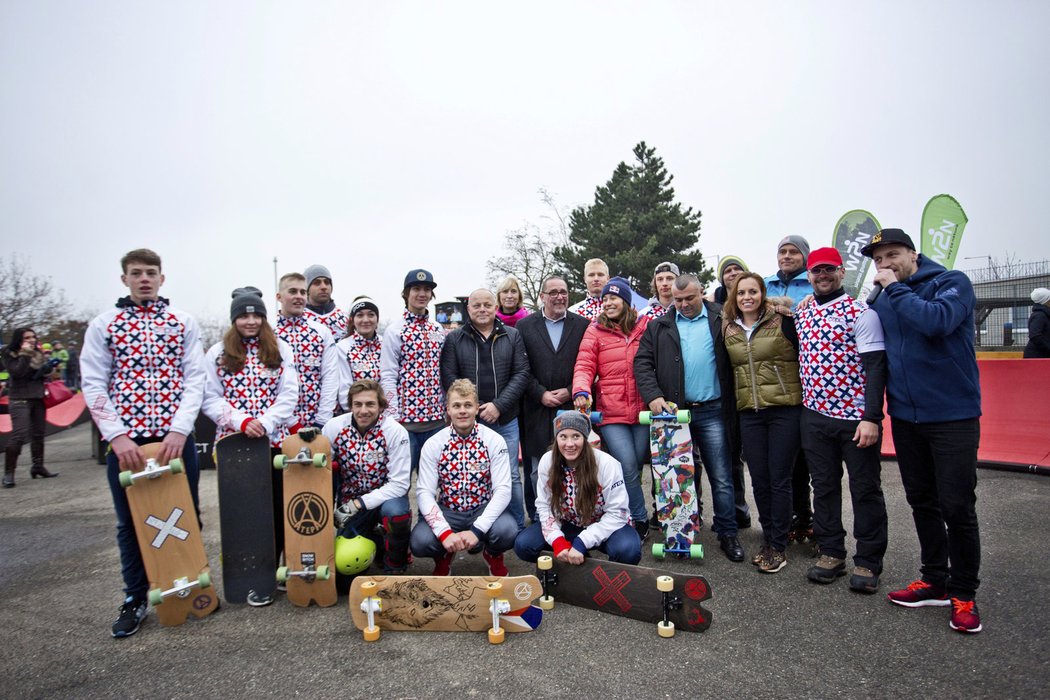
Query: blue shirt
pixel 698 357
pixel 554 328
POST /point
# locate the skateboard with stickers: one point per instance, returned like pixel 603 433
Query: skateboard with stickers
pixel 309 533
pixel 169 538
pixel 669 599
pixel 246 520
pixel 674 476
pixel 445 604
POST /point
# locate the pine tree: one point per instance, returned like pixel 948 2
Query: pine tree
pixel 634 225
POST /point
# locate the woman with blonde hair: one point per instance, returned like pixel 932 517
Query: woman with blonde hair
pixel 510 307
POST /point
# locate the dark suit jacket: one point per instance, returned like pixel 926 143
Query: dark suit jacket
pixel 551 368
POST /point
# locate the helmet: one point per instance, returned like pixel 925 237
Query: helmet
pixel 353 554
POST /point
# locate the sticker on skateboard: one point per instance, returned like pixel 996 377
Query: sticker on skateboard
pixel 671 452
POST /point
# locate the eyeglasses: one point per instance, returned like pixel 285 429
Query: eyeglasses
pixel 823 269
pixel 558 293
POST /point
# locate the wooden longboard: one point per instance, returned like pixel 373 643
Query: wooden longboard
pixel 246 516
pixel 309 533
pixel 169 539
pixel 447 603
pixel 671 450
pixel 629 591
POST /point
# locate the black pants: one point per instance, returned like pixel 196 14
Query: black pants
pixel 27 425
pixel 938 463
pixel 771 443
pixel 828 442
pixel 736 461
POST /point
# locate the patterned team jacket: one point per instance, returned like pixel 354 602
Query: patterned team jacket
pixel 317 364
pixel 410 368
pixel 374 467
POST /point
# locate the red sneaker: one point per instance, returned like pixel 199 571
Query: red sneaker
pixel 442 565
pixel 965 617
pixel 496 565
pixel 919 594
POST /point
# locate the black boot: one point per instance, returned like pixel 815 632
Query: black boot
pixel 41 472
pixel 10 462
pixel 9 478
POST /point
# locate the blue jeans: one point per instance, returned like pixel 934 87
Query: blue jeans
pixel 498 539
pixel 623 546
pixel 509 433
pixel 629 445
pixel 136 583
pixel 415 444
pixel 708 431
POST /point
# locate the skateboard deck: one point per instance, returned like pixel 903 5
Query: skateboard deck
pixel 246 516
pixel 628 591
pixel 309 534
pixel 169 539
pixel 671 450
pixel 444 603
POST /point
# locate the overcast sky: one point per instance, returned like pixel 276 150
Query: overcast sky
pixel 379 137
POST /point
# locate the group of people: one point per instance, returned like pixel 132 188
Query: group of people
pixel 789 374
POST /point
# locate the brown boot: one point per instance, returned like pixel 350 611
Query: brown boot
pixel 41 472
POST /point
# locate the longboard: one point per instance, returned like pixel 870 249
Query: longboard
pixel 309 534
pixel 169 539
pixel 445 604
pixel 672 600
pixel 246 516
pixel 671 450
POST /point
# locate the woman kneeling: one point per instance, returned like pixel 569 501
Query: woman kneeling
pixel 581 503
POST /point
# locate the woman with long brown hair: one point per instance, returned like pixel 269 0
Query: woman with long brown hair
pixel 606 355
pixel 763 350
pixel 581 502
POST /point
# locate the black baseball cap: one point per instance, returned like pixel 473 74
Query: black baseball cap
pixel 419 276
pixel 886 236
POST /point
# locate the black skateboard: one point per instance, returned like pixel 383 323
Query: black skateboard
pixel 245 474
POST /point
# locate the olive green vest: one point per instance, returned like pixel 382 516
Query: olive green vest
pixel 765 370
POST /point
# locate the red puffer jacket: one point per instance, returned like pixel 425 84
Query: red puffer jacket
pixel 609 356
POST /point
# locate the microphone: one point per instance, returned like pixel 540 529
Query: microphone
pixel 875 292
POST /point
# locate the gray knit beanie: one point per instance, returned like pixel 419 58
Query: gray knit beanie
pixel 799 242
pixel 315 271
pixel 573 420
pixel 247 300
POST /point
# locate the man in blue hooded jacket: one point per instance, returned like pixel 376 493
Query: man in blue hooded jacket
pixel 927 313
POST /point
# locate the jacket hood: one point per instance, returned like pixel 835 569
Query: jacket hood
pixel 928 269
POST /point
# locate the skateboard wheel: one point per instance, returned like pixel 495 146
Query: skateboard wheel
pixel 323 572
pixel 279 461
pixel 665 630
pixel 547 602
pixel 175 466
pixel 282 574
pixel 683 416
pixel 320 460
pixel 204 580
pixel 368 588
pixel 156 597
pixel 497 636
pixel 371 634
pixel 645 417
pixel 545 562
pixel 596 416
pixel 665 583
pixel 696 551
pixel 658 550
pixel 125 479
pixel 494 589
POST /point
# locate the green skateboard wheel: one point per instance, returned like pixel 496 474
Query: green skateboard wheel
pixel 696 551
pixel 658 550
pixel 323 572
pixel 645 417
pixel 175 466
pixel 125 479
pixel 320 460
pixel 204 580
pixel 683 416
pixel 155 597
pixel 282 574
pixel 279 462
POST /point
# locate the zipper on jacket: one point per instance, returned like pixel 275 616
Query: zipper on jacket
pixel 754 378
pixel 783 389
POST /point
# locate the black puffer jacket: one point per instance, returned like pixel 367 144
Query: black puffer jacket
pixel 1038 333
pixel 28 371
pixel 459 360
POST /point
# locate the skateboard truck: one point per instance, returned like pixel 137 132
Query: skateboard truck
pixel 665 584
pixel 304 456
pixel 181 588
pixel 497 606
pixel 309 573
pixel 151 471
pixel 547 578
pixel 370 606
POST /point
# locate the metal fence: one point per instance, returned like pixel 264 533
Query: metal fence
pixel 1004 302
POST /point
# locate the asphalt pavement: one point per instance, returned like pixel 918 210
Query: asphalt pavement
pixel 772 635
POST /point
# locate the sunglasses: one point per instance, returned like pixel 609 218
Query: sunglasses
pixel 823 269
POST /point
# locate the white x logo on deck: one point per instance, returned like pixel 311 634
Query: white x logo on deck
pixel 167 527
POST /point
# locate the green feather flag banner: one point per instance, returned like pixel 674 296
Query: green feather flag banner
pixel 943 221
pixel 852 232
